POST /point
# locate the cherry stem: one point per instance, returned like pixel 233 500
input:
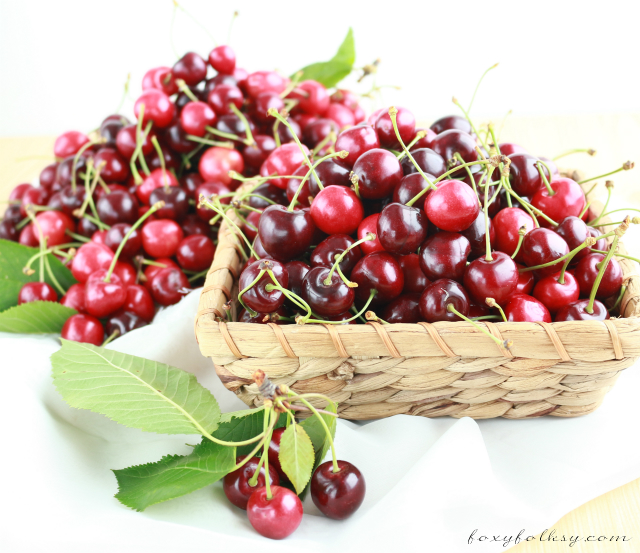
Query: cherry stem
pixel 288 293
pixel 589 151
pixel 122 244
pixel 266 420
pixel 586 208
pixel 626 166
pixel 616 211
pixel 52 277
pixel 466 113
pixel 603 267
pixel 156 145
pixel 330 138
pixel 371 316
pixel 459 158
pixel 419 136
pixel 276 136
pixel 96 222
pixel 186 90
pixel 274 113
pixel 301 320
pixel 342 154
pixel 111 338
pixel 478 86
pixel 125 93
pixel 208 142
pixel 77 158
pixel 488 255
pixel 249 141
pixel 506 344
pixel 615 306
pixel 355 183
pixel 606 204
pixel 550 190
pixel 531 209
pixel 590 190
pixel 521 232
pixel 292 85
pixel 486 318
pixel 218 209
pixel 504 120
pixel 42 241
pixel 265 452
pixel 249 286
pixel 327 281
pixel 492 303
pixel 137 153
pixel 79 237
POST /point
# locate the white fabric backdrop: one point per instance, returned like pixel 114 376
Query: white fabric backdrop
pixel 430 483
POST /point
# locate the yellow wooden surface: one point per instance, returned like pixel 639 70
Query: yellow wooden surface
pixel 616 137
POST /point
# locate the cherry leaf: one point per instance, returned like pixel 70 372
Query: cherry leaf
pixel 296 456
pixel 37 317
pixel 9 290
pixel 331 72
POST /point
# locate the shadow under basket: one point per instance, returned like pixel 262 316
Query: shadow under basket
pixel 432 370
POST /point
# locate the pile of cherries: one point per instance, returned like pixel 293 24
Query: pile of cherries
pixel 119 206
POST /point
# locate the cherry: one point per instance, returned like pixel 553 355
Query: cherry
pixel 404 309
pixel 195 116
pixel 444 255
pixel 216 162
pixel 453 206
pixel 436 298
pixel 53 225
pixel 317 131
pixel 555 295
pixel 509 148
pixel 83 328
pixel 195 253
pixel 236 484
pixel 116 234
pixel 411 185
pixel 258 298
pixel 401 229
pixel 159 264
pixel 69 143
pixel 284 160
pixel 262 103
pixel 191 68
pixel 99 237
pixel 211 190
pixel 139 302
pixel 378 271
pixel 348 99
pixel 117 207
pixel 222 96
pixel 568 199
pixel 508 223
pixel 292 188
pixel 264 81
pixel 274 452
pixel 126 141
pixel 126 272
pixel 525 309
pixel 255 154
pixel 451 142
pixel 8 231
pixel 526 281
pixel 161 238
pixel 575 231
pixel 48 176
pixel 451 122
pixel 324 255
pixel 233 124
pixel 285 234
pixel 430 163
pixel 477 236
pixel 274 518
pixel 366 226
pixel 330 173
pixel 90 258
pixel 326 299
pixel 542 246
pixel 223 59
pixel 286 134
pixel 28 236
pixel 190 183
pixel 171 160
pixel 337 210
pixel 157 108
pixel 74 298
pixel 415 281
pixel 168 286
pixel 337 494
pixel 264 318
pixel 160 78
pixel 123 321
pixel 342 115
pixel 406 123
pixel 176 202
pixel 312 97
pixel 524 174
pixel 19 191
pixel 115 168
pixel 13 214
pixel 577 311
pixel 587 271
pixel 496 279
pixel 33 197
pixel 378 172
pixel 250 228
pixel 192 224
pixel 36 291
pixel 103 298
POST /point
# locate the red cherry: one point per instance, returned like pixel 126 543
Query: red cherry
pixel 378 271
pixel 401 229
pixel 496 279
pixel 285 234
pixel 554 295
pixel 575 231
pixel 169 286
pixel 274 518
pixel 342 115
pixel 122 322
pixel 265 81
pixel 156 179
pixel 330 173
pixel 33 197
pixel 68 143
pixel 161 238
pixel 577 311
pixel 216 162
pixel 451 142
pixel 415 281
pixel 28 237
pixel 258 298
pixel 444 255
pixel 222 96
pixel 191 68
pixel 36 291
pixel 18 192
pixel 90 258
pixel 195 253
pixel 567 200
pixel 587 271
pixel 507 223
pixel 326 299
pixel 378 172
pixel 356 140
pixel 337 494
pixel 542 246
pixel 406 127
pixel 83 328
pixel 74 298
pixel 369 225
pixel 438 296
pixel 525 309
pixel 453 206
pixel 337 210
pixel 47 176
pixel 53 225
pixel 236 484
pixel 126 141
pixel 126 272
pixel 157 108
pixel 509 148
pixel 103 298
pixel 211 190
pixel 312 97
pixel 256 154
pixel 139 301
pixel 223 59
pixel 526 281
pixel 284 160
pixel 195 116
pixel 274 452
pixel 160 78
pixel 425 141
pixel 159 264
pixel 404 309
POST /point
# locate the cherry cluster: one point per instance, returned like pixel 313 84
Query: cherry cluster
pixel 120 206
pixel 402 224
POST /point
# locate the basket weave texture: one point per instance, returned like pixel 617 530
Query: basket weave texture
pixel 432 370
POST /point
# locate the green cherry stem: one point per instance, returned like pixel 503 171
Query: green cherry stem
pixel 186 90
pixel 506 344
pixel 368 238
pixel 266 420
pixel 249 286
pixel 609 186
pixel 304 320
pixel 52 277
pixel 586 208
pixel 589 151
pixel 626 166
pixel 419 136
pixel 521 232
pixel 209 142
pixel 287 293
pixel 249 141
pixel 468 118
pixel 615 306
pixel 488 255
pixel 156 145
pixel 624 256
pixel 217 209
pixel 492 303
pixel 587 243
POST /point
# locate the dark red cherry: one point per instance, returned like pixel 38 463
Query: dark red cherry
pixel 330 173
pixel 575 231
pixel 116 234
pixel 370 225
pixel 325 253
pixel 406 123
pixel 453 206
pixel 8 231
pixel 507 224
pixel 568 199
pixel 122 322
pixel 90 258
pixel 316 132
pixel 378 271
pixel 195 253
pixel 191 68
pixel 285 234
pixel 103 298
pixel 415 281
pixel 114 167
pixel 266 190
pixel 554 295
pixel 258 298
pixel 444 255
pixel 524 174
pixel 190 183
pixel 232 124
pixel 302 198
pixel 236 484
pixel 126 141
pixel 436 298
pixel 525 309
pixel 337 210
pixel 274 518
pixel 451 142
pixel 429 161
pixel 211 190
pixel 192 224
pixel 410 186
pixel 541 246
pixel 477 236
pixel 48 176
pixel 158 108
pixel 577 311
pixel 401 229
pixel 587 271
pixel 326 299
pixel 337 494
pixel 255 154
pixel 356 140
pixel 451 122
pixel 169 286
pixel 12 213
pixel 223 59
pixel 222 96
pixel 33 197
pixel 36 291
pixel 297 271
pixel 19 191
pixel 286 134
pixel 497 279
pixel 83 328
pixel 378 172
pixel 117 207
pixel 274 452
pixel 176 202
pixel 404 309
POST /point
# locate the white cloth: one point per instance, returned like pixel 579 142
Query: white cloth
pixel 430 482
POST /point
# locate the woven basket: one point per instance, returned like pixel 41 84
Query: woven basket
pixel 432 370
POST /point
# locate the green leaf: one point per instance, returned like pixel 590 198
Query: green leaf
pixel 296 456
pixel 38 317
pixel 174 475
pixel 14 257
pixel 331 72
pixel 9 290
pixel 318 437
pixel 132 391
